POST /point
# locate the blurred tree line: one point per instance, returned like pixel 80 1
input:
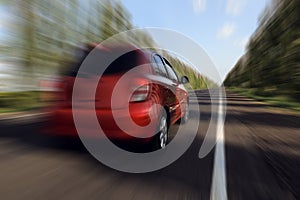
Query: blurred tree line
pixel 197 81
pixel 45 34
pixel 272 60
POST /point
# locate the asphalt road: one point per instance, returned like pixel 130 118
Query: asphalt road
pixel 261 159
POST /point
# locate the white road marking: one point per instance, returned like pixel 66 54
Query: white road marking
pixel 218 187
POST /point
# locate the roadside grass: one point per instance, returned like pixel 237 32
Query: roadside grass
pixel 269 97
pixel 19 101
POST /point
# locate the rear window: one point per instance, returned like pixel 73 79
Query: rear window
pixel 122 64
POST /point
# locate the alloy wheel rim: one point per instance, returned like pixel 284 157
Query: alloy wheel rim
pixel 163 137
pixel 186 112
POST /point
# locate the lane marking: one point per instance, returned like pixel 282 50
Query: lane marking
pixel 219 187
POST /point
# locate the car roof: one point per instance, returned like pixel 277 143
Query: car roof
pixel 121 47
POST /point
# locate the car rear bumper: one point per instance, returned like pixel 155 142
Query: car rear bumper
pixel 62 123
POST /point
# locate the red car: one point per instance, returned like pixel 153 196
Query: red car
pixel 151 81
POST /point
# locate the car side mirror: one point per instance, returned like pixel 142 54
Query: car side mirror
pixel 184 80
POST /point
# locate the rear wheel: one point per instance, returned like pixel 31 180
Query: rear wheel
pixel 162 137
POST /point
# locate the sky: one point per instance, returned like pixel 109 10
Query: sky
pixel 2 23
pixel 221 27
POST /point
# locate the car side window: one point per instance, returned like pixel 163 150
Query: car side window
pixel 159 66
pixel 172 75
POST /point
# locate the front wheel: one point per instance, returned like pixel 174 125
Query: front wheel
pixel 186 115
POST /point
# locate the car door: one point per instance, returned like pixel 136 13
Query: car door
pixel 166 85
pixel 179 100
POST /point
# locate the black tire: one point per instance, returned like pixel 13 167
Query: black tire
pixel 161 139
pixel 186 115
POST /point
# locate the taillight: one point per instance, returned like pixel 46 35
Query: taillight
pixel 140 94
pixel 61 92
pixel 52 90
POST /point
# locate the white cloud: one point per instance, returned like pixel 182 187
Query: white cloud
pixel 199 6
pixel 226 31
pixel 242 42
pixel 235 7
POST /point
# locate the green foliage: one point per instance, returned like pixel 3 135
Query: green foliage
pixel 269 96
pixel 196 80
pixel 273 53
pixel 48 32
pixel 19 101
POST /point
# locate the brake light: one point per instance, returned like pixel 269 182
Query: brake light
pixel 52 90
pixel 140 94
pixel 62 91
